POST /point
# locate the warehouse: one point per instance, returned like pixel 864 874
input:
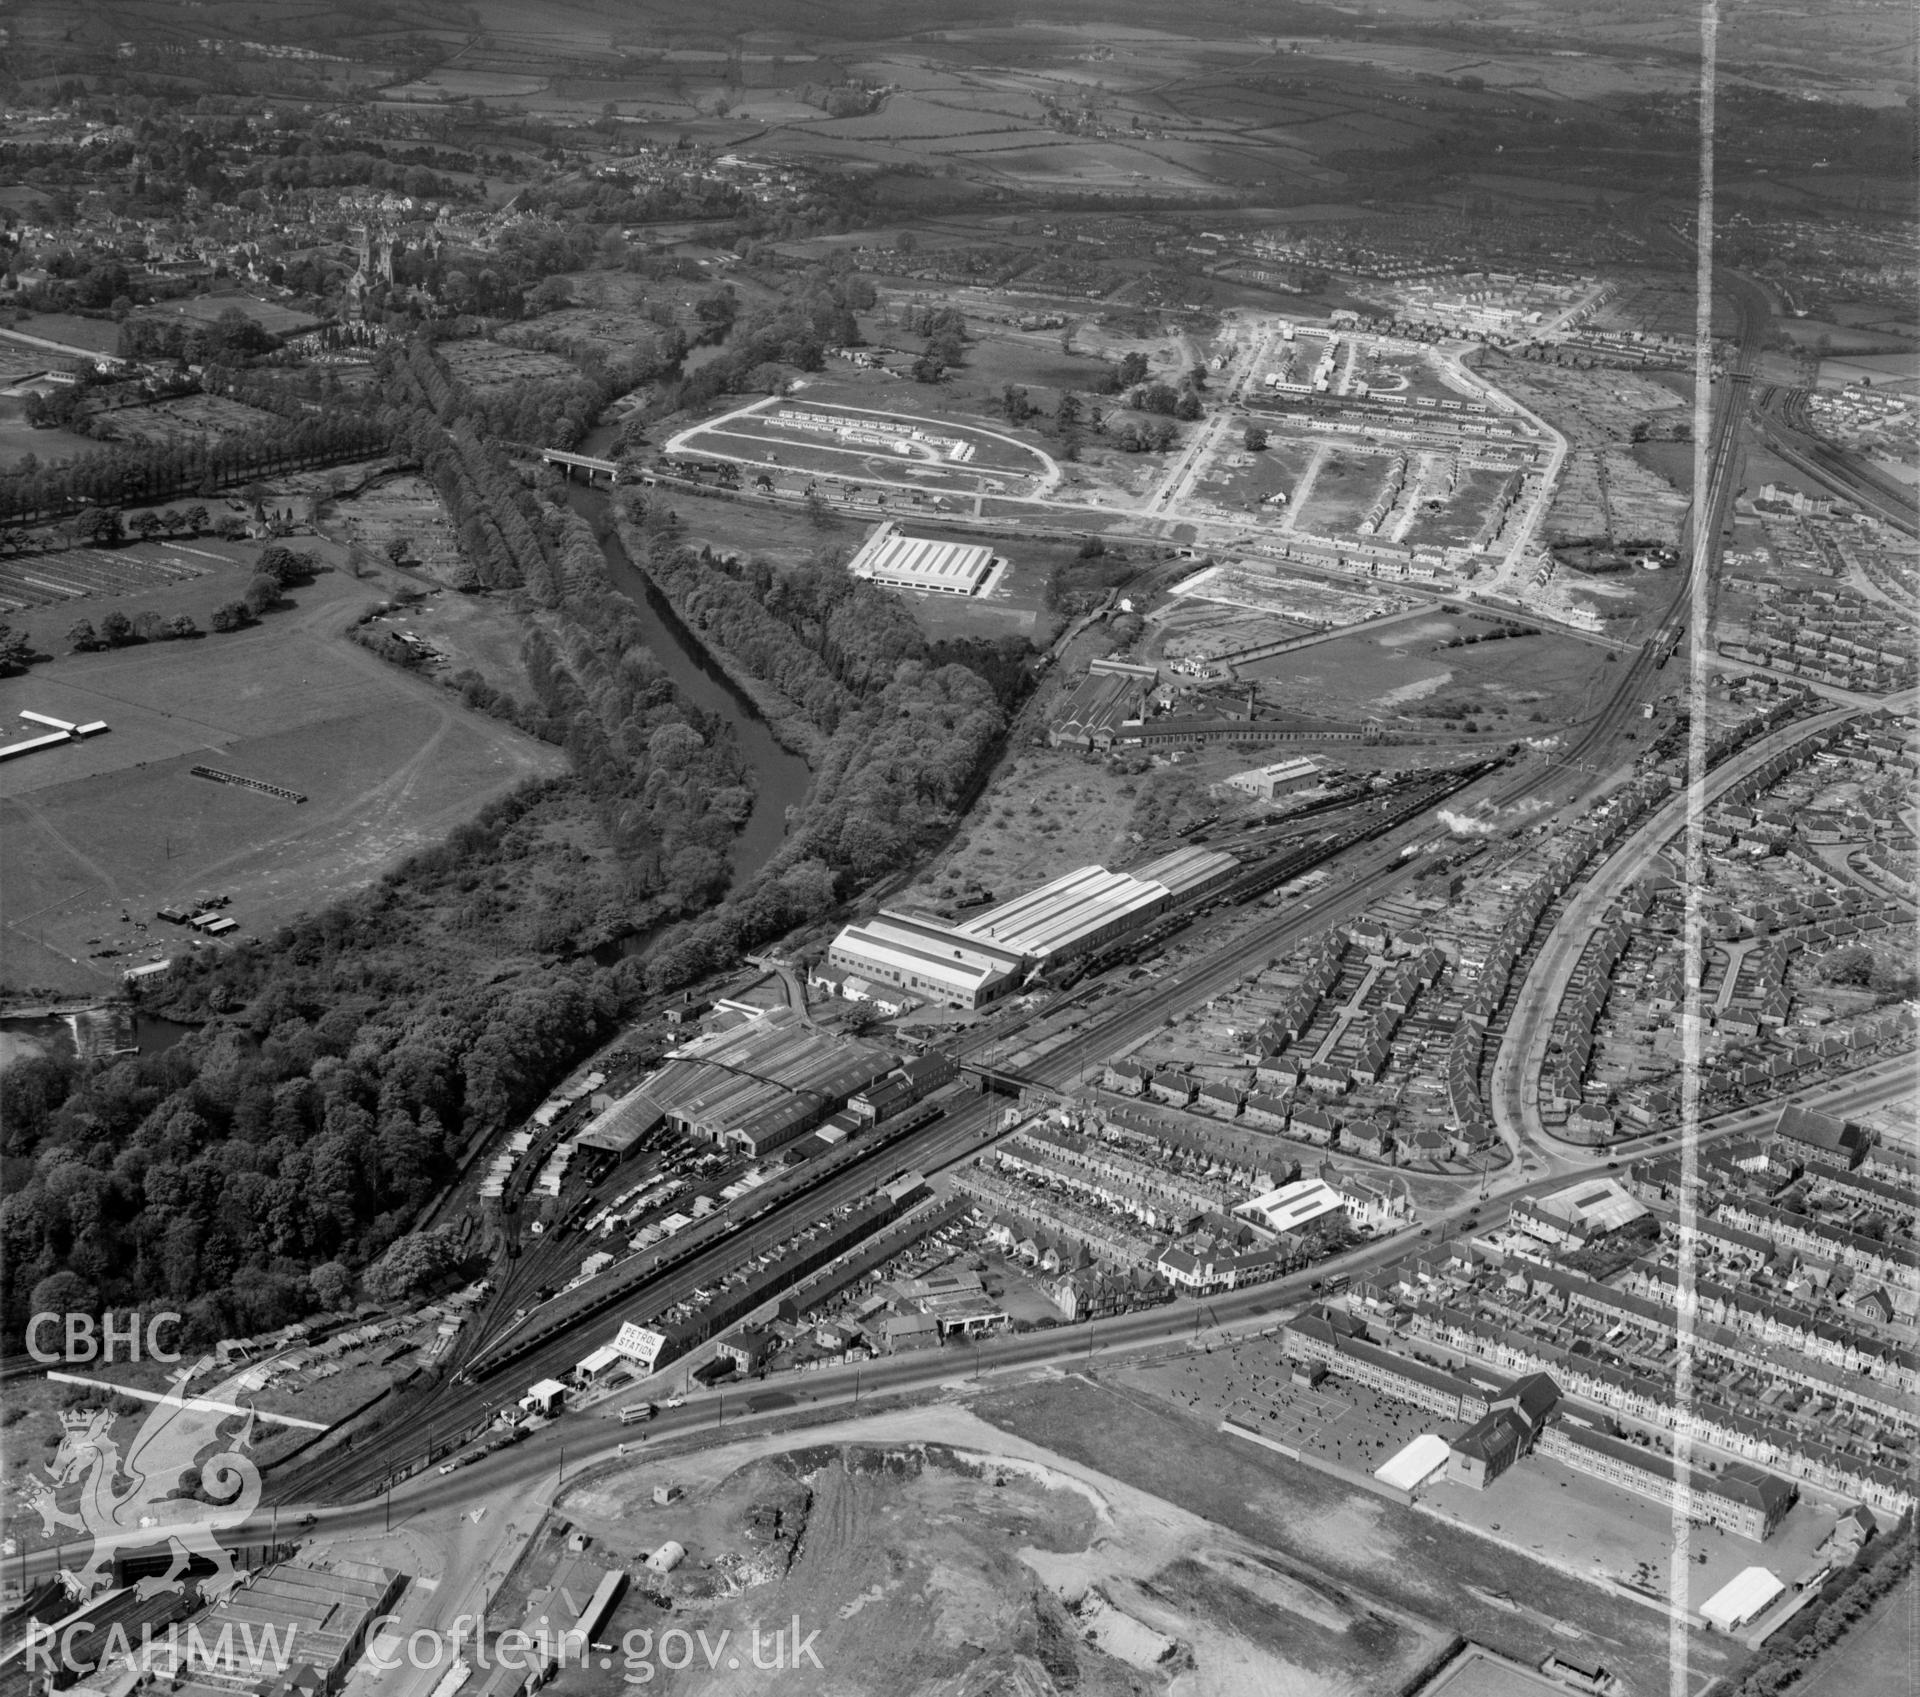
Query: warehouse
pixel 1282 778
pixel 914 562
pixel 931 961
pixel 329 1611
pixel 970 964
pixel 1292 1206
pixel 1187 872
pixel 1069 915
pixel 1084 909
pixel 763 1084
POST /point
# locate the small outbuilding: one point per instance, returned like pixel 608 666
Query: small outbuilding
pixel 1742 1599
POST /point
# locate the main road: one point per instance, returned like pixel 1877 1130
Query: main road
pixel 1523 1049
pixel 576 1441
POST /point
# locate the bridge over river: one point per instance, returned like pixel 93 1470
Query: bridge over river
pixel 589 469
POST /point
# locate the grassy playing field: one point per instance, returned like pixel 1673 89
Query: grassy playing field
pixel 118 825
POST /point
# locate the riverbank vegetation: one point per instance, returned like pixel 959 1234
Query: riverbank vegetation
pixel 342 1067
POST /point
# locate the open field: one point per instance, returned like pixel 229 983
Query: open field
pixel 1344 488
pixel 1458 518
pixel 118 825
pixel 1240 479
pixel 271 316
pixel 1402 670
pixel 18 438
pixel 1879 1654
pixel 1345 1534
pixel 100 334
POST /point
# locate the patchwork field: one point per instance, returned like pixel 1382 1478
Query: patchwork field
pixel 194 418
pixel 494 365
pixel 69 575
pixel 117 825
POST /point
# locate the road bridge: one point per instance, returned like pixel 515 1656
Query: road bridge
pixel 589 468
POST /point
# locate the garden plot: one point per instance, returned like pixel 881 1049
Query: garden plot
pixel 404 509
pixel 76 574
pixel 495 365
pixel 192 418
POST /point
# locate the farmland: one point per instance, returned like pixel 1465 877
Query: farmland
pixel 118 825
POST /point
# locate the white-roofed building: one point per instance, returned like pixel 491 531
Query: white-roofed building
pixel 1595 1206
pixel 1743 1598
pixel 1270 783
pixel 1293 1206
pixel 1412 1466
pixel 1187 871
pixel 914 562
pixel 599 1365
pixel 1069 915
pixel 934 962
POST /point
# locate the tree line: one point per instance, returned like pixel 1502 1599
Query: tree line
pixel 302 1128
pixel 912 726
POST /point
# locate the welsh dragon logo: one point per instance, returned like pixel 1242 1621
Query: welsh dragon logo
pixel 130 1503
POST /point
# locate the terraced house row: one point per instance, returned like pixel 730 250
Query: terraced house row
pixel 1651 1401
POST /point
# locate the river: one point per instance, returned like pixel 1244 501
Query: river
pixel 778 777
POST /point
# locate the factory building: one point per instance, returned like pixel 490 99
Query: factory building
pixel 932 961
pixel 1069 915
pixel 914 562
pixel 756 1087
pixel 1278 780
pixel 1187 872
pixel 321 1616
pixel 968 965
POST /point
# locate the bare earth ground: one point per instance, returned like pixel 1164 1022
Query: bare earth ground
pixel 388 761
pixel 1347 1534
pixel 921 1562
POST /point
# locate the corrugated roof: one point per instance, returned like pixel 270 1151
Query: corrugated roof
pixel 898 558
pixel 1064 912
pixel 1185 869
